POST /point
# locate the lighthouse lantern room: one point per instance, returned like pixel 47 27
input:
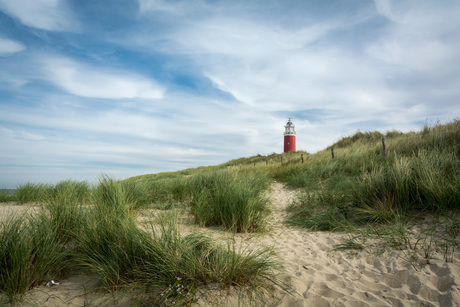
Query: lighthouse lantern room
pixel 289 136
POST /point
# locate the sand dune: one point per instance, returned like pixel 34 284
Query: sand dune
pixel 318 274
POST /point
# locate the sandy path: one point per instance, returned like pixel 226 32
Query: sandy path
pixel 321 276
pixel 13 209
pixel 318 275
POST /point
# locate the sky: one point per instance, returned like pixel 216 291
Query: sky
pixel 132 87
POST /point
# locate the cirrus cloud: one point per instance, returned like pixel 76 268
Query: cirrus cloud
pixel 83 80
pixel 51 15
pixel 9 47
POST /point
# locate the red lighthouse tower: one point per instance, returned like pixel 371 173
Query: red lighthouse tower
pixel 289 137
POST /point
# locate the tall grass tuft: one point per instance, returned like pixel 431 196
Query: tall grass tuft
pixel 109 246
pixel 163 192
pixel 196 260
pixel 64 191
pixel 113 198
pixel 429 181
pixel 30 252
pixel 66 219
pixel 123 255
pixel 108 242
pixel 33 192
pixel 7 195
pixel 70 191
pixel 321 211
pixel 230 199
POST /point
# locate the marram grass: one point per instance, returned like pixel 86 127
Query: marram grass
pixel 123 255
pixel 421 171
pixel 31 252
pixel 102 238
pixel 231 199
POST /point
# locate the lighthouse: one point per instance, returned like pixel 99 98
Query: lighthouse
pixel 289 137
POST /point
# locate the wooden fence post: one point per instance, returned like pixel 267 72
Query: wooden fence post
pixel 266 162
pixel 332 153
pixel 384 148
pixel 281 159
pixel 301 157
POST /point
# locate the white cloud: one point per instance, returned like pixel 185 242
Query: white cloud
pixel 156 5
pixel 298 78
pixel 415 53
pixel 240 38
pixel 164 6
pixel 396 11
pixel 20 134
pixel 82 80
pixel 275 68
pixel 421 35
pixel 52 15
pixel 272 68
pixel 8 47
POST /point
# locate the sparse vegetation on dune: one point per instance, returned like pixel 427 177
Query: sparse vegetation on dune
pixel 421 171
pixel 100 235
pixel 92 227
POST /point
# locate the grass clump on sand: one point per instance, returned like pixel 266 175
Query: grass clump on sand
pixel 162 190
pixel 197 261
pixel 64 191
pixel 161 260
pixel 232 199
pixel 69 191
pixel 7 195
pixel 31 252
pixel 32 192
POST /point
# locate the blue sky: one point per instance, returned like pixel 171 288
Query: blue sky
pixel 134 87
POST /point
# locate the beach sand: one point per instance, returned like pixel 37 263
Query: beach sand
pixel 318 274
